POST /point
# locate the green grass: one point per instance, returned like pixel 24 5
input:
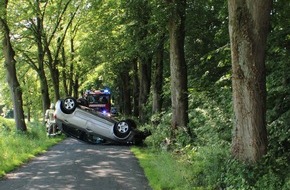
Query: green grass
pixel 18 147
pixel 209 168
pixel 163 171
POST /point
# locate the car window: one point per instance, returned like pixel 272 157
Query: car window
pixel 98 99
pixel 91 99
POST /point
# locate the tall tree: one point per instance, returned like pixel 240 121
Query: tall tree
pixel 61 25
pixel 10 66
pixel 178 68
pixel 37 29
pixel 49 42
pixel 248 28
pixel 157 77
pixel 141 11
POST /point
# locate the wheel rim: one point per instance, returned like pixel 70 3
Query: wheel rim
pixel 123 127
pixel 69 104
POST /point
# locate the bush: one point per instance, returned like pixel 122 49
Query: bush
pixel 208 166
pixel 164 170
pixel 207 152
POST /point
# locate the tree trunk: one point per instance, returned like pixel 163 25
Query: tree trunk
pixel 52 64
pixel 66 89
pixel 72 82
pixel 157 81
pixel 135 88
pixel 144 89
pixel 44 91
pixel 39 67
pixel 76 86
pixel 10 67
pixel 178 68
pixel 125 92
pixel 248 28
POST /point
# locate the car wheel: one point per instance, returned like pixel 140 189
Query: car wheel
pixel 122 129
pixel 68 105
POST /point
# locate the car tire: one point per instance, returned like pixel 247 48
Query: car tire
pixel 68 105
pixel 122 129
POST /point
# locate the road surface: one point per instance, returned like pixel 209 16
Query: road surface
pixel 74 165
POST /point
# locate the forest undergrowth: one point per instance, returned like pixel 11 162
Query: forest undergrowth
pixel 203 160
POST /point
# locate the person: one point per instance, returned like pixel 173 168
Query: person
pixel 50 121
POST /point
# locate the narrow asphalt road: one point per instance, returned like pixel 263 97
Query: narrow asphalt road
pixel 74 165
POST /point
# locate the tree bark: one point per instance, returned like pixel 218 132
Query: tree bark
pixel 10 66
pixel 157 81
pixel 53 68
pixel 178 68
pixel 71 68
pixel 125 91
pixel 144 89
pixel 66 88
pixel 135 88
pixel 248 28
pixel 40 59
pixel 125 88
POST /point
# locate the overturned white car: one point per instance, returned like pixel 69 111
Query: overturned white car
pixel 75 119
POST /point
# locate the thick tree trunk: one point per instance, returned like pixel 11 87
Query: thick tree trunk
pixel 178 68
pixel 10 67
pixel 248 27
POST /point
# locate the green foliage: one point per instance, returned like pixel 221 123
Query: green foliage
pixel 208 166
pixel 208 153
pixel 6 125
pixel 18 147
pixel 163 170
pixel 212 167
pixel 159 131
pixel 279 136
pixel 263 175
pixel 210 118
pixel 207 42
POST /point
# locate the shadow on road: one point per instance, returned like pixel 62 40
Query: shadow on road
pixel 76 165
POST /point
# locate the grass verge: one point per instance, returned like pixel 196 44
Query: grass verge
pixel 163 171
pixel 18 147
